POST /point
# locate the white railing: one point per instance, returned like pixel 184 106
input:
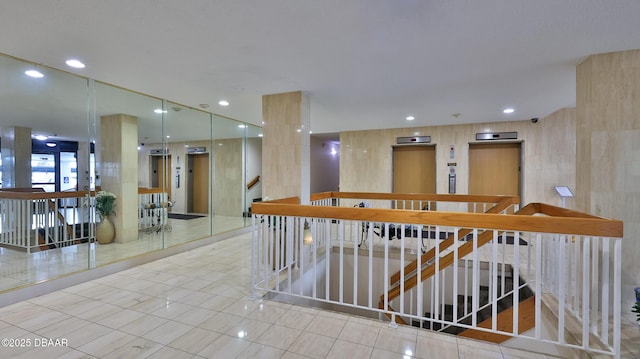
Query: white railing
pixel 45 220
pixel 487 276
pixel 153 210
pixel 34 220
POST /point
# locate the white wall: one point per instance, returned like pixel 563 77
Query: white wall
pixel 325 166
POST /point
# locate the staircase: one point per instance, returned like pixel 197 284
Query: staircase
pixel 484 314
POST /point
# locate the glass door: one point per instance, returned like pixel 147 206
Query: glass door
pixel 43 172
pixel 68 178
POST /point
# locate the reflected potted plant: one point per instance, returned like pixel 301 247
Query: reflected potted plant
pixel 105 230
pixel 636 308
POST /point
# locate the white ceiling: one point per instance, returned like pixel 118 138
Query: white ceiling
pixel 365 64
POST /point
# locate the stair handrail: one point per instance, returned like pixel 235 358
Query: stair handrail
pixel 253 182
pixel 430 254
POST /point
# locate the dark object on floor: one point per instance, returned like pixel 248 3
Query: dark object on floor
pixel 184 216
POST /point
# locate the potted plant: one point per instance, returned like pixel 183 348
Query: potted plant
pixel 105 230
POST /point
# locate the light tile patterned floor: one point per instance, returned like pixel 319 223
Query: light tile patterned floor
pixel 18 268
pixel 196 305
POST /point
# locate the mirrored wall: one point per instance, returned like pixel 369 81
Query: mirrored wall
pixel 178 174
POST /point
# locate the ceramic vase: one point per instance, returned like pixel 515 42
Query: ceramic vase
pixel 105 231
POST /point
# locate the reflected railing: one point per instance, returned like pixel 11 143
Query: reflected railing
pixel 34 220
pixel 153 209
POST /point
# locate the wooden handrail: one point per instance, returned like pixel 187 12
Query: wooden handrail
pixel 288 200
pixel 37 193
pixel 145 190
pixel 253 182
pixel 9 194
pixel 563 225
pixel 321 195
pixel 424 197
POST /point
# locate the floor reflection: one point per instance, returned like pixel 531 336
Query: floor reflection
pixel 18 268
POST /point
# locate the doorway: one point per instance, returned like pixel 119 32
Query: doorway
pixel 494 169
pixel 198 183
pixel 414 171
pixel 161 173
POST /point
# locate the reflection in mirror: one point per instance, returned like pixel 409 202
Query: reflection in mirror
pixel 123 118
pixel 253 168
pixel 178 174
pixel 228 171
pixel 44 224
pixel 179 163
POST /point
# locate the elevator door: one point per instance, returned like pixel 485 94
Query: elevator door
pixel 161 173
pixel 414 171
pixel 494 169
pixel 198 183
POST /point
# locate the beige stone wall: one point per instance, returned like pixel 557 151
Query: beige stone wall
pixel 548 149
pixel 285 145
pixel 608 158
pixel 228 184
pixel 119 171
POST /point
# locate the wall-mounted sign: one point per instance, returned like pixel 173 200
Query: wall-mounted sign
pixel 159 151
pixel 196 150
pixel 415 139
pixel 489 136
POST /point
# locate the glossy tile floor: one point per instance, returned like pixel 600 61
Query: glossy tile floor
pixel 18 268
pixel 196 305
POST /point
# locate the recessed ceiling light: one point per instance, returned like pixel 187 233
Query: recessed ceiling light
pixel 51 144
pixel 34 73
pixel 40 137
pixel 168 136
pixel 260 135
pixel 76 64
pixel 508 110
pixel 242 126
pixel 159 110
pixel 410 118
pixel 223 103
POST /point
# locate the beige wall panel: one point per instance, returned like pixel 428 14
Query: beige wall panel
pixel 608 150
pixel 228 184
pixel 548 148
pixel 119 171
pixel 285 145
